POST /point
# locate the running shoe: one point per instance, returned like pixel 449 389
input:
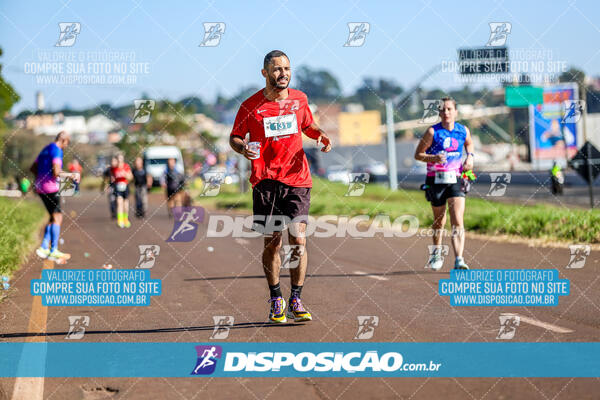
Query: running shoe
pixel 277 313
pixel 42 253
pixel 460 263
pixel 58 255
pixel 120 224
pixel 127 224
pixel 297 311
pixel 436 262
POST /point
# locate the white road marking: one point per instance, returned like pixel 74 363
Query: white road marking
pixel 379 278
pixel 541 324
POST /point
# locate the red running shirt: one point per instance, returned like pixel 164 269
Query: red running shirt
pixel 120 174
pixel 278 126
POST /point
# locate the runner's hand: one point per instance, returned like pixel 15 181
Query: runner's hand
pixel 468 164
pixel 75 176
pixel 439 159
pixel 249 154
pixel 326 143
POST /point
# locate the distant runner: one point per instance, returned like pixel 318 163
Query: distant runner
pixel 174 183
pixel 441 148
pixel 275 117
pixel 75 166
pixel 107 183
pixel 121 176
pixel 142 181
pixel 47 169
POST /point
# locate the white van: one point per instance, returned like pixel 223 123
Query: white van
pixel 155 161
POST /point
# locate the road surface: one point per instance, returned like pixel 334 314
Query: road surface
pixel 207 277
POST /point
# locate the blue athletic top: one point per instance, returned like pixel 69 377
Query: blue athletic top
pixel 45 182
pixel 452 142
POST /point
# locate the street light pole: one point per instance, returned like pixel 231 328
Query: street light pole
pixel 389 113
pixel 391 144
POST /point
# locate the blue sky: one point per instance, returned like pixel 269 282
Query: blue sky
pixel 405 40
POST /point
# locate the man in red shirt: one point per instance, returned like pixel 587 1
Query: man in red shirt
pixel 275 117
pixel 121 175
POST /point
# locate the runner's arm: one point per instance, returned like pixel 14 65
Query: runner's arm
pixel 59 173
pixel 239 146
pixel 424 144
pixel 470 147
pixel 314 132
pixel 65 175
pixel 239 131
pixel 33 168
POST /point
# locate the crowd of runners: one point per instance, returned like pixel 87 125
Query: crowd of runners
pixel 117 179
pixel 268 131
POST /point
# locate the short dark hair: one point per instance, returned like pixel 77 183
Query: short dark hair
pixel 272 54
pixel 447 98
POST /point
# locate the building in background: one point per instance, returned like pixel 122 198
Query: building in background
pixel 98 128
pixel 326 115
pixel 40 104
pixel 360 128
pixel 593 129
pixel 36 121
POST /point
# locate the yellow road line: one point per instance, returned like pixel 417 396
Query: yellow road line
pixel 32 388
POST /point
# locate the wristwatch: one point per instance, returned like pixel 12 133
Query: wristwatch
pixel 471 154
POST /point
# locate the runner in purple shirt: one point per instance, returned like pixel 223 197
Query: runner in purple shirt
pixel 47 169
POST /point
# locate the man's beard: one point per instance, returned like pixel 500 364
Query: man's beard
pixel 279 86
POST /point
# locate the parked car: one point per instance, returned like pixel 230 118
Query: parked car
pixel 155 161
pixel 229 177
pixel 338 173
pixel 378 171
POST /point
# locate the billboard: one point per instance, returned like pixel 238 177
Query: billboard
pixel 548 132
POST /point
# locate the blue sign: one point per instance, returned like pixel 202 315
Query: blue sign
pixel 300 359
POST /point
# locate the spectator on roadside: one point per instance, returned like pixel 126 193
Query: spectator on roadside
pixel 173 182
pixel 142 181
pixel 107 182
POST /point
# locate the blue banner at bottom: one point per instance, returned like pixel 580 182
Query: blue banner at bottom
pixel 299 359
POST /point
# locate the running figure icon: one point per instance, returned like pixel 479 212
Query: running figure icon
pixel 188 222
pixel 207 359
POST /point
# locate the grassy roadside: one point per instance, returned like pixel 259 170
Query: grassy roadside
pixel 544 222
pixel 20 221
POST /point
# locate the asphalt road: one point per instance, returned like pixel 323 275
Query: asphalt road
pixel 348 277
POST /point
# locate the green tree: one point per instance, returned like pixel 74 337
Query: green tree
pixel 317 84
pixel 8 97
pixel 573 75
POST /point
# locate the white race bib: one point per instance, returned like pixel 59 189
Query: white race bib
pixel 280 125
pixel 445 177
pixel 121 186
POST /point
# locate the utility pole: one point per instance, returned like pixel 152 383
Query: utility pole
pixel 389 114
pixel 243 176
pixel 589 148
pixel 391 144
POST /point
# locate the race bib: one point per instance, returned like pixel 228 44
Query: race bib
pixel 121 186
pixel 280 125
pixel 445 177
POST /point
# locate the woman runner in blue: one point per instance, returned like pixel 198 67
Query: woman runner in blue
pixel 441 148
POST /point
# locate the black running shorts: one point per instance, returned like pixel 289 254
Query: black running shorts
pixel 51 202
pixel 275 202
pixel 438 194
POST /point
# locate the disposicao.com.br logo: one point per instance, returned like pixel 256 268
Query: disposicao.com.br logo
pixel 325 363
